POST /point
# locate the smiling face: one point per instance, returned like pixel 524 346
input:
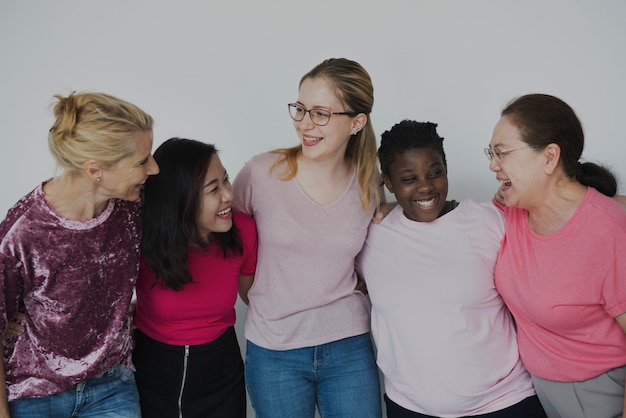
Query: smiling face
pixel 126 178
pixel 418 178
pixel 329 141
pixel 216 196
pixel 519 171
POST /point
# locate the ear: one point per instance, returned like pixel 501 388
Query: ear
pixel 359 122
pixel 92 169
pixel 552 157
pixel 387 182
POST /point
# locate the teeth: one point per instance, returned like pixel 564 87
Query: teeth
pixel 224 212
pixel 425 203
pixel 312 139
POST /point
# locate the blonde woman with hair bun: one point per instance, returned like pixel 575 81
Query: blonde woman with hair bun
pixel 69 256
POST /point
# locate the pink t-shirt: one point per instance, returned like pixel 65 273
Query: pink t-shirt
pixel 304 289
pixel 566 289
pixel 446 343
pixel 202 310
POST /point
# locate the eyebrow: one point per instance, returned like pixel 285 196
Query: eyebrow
pixel 145 160
pixel 215 179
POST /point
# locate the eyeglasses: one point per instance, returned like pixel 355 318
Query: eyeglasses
pixel 499 153
pixel 319 115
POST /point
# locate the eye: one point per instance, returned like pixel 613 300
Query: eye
pixel 497 153
pixel 298 109
pixel 320 114
pixel 435 173
pixel 408 179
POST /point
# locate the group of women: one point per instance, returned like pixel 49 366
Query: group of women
pixel 285 236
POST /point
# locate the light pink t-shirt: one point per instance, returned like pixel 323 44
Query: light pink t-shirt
pixel 445 340
pixel 565 289
pixel 304 289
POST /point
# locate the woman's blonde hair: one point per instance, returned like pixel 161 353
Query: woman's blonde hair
pixel 354 89
pixel 94 126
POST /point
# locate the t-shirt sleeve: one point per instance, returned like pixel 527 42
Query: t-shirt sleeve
pixel 10 288
pixel 250 246
pixel 614 289
pixel 242 189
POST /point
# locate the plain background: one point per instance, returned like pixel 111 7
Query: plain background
pixel 223 72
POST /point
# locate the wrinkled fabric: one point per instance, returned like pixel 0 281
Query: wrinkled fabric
pixel 74 281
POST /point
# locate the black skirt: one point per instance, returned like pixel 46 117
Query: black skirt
pixel 197 381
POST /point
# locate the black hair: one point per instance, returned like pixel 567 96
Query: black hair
pixel 405 136
pixel 171 206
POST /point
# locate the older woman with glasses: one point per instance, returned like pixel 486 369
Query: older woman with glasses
pixel 562 264
pixel 307 324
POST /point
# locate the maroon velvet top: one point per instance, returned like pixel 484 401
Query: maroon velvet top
pixel 74 281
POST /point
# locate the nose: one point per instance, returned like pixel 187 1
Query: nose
pixel 227 194
pixel 424 185
pixel 152 167
pixel 494 165
pixel 306 121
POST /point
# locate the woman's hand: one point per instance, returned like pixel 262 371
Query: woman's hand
pixel 14 328
pixel 383 211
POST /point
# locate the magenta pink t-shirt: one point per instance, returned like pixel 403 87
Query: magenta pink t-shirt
pixel 202 310
pixel 566 289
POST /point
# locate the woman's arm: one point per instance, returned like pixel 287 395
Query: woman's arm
pixel 4 400
pixel 245 283
pixel 622 321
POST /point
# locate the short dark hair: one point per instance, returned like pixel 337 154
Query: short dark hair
pixel 171 205
pixel 405 136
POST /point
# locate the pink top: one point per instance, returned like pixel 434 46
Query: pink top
pixel 304 289
pixel 565 290
pixel 202 310
pixel 445 340
pixel 74 281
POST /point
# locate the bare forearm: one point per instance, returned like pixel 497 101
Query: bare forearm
pixel 4 401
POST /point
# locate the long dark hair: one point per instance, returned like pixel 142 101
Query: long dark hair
pixel 171 206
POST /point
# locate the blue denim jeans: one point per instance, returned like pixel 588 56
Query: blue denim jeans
pixel 113 395
pixel 340 377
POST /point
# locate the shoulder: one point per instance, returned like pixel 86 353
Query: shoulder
pixel 265 159
pixel 606 207
pixel 485 217
pixel 243 221
pixel 245 225
pixel 21 208
pixel 490 210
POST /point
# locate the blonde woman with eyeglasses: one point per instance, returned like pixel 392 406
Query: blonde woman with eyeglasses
pixel 307 324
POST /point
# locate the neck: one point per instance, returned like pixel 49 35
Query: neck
pixel 558 207
pixel 74 197
pixel 328 169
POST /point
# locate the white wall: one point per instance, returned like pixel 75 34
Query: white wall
pixel 223 72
